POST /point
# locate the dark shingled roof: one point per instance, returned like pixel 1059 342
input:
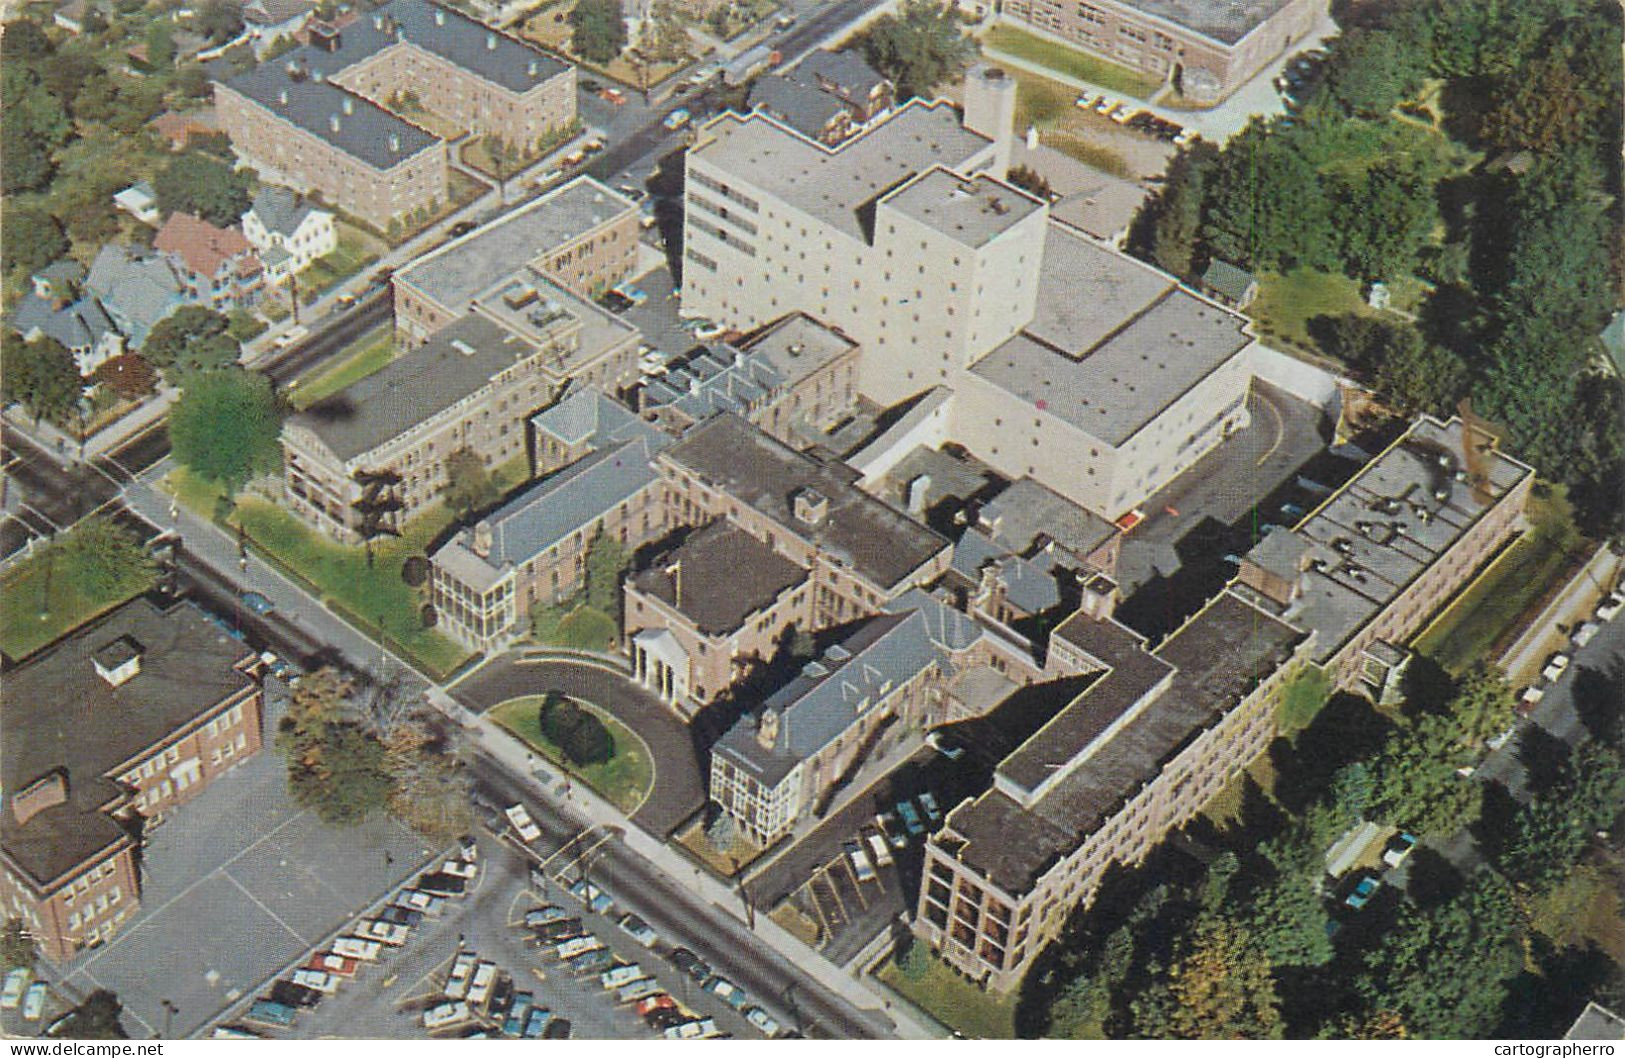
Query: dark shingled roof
pixel 876 541
pixel 1217 657
pixel 311 105
pixel 1226 21
pixel 725 574
pixel 58 715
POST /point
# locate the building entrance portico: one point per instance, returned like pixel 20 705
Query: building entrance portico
pixel 660 664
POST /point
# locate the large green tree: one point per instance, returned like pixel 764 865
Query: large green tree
pixel 919 47
pixel 597 30
pixel 606 561
pixel 1416 782
pixel 40 375
pixel 33 238
pixel 103 560
pixel 196 183
pixel 469 485
pixel 225 426
pixel 1219 987
pixel 337 768
pixel 1387 217
pixel 192 338
pixel 97 1018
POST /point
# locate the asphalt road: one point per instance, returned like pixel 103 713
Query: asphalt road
pixel 683 919
pixel 288 364
pixel 679 783
pixel 42 495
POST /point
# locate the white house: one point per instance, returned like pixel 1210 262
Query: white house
pixel 267 21
pixel 288 232
pixel 140 202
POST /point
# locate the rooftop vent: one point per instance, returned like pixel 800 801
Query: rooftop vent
pixel 811 506
pixel 490 42
pixel 394 143
pixel 530 68
pixel 349 105
pixel 282 97
pixel 333 122
pixel 439 17
pixel 37 796
pixel 462 347
pixel 119 661
pixel 482 539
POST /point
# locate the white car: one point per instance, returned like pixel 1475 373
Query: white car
pixel 522 823
pixel 762 1020
pixel 710 331
pixel 357 948
pixel 320 980
pixel 34 1001
pixel 460 975
pixel 438 1017
pixel 391 933
pixel 1555 667
pixel 1585 634
pixel 459 869
pixel 11 996
pixel 485 976
pixel 418 900
pixel 1610 606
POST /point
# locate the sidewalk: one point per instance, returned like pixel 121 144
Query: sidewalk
pixel 67 449
pixel 504 747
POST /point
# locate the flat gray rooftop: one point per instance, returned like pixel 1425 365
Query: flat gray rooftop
pixel 798 345
pixel 414 387
pixel 541 312
pixel 1391 522
pixel 1110 372
pixel 972 211
pixel 877 542
pixel 831 184
pixel 454 273
pixel 1226 21
pixel 1028 513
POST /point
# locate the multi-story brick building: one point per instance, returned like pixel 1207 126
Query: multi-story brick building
pixel 118 722
pixel 595 457
pixel 1207 48
pixel 701 615
pixel 582 236
pixel 794 375
pixel 384 440
pixel 318 118
pixel 1159 732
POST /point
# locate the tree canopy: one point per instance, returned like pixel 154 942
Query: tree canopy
pixel 211 189
pixel 469 485
pixel 597 30
pixel 225 426
pixel 919 47
pixel 40 375
pixel 336 767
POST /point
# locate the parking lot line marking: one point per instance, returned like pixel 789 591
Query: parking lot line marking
pixel 276 917
pixel 221 869
pixel 1280 430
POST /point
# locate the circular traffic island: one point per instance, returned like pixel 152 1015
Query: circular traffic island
pixel 585 741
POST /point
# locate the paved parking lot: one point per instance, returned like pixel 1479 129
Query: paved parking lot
pixel 386 999
pixel 234 886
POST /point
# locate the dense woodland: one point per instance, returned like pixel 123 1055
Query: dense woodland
pixel 1518 249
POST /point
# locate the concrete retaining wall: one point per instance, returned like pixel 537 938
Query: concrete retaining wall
pixel 1300 378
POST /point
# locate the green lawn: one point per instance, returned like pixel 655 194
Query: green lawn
pixel 1070 62
pixel 933 986
pixel 624 780
pixel 367 355
pixel 38 604
pixel 373 597
pixel 1286 303
pixel 1467 631
pixel 573 626
pixel 325 273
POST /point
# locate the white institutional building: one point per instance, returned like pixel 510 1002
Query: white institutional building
pixel 1068 362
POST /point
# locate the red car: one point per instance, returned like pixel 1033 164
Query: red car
pixel 651 1004
pixel 613 95
pixel 327 962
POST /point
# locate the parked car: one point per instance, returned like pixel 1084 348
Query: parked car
pixel 523 825
pixel 461 975
pixel 631 293
pixel 1530 698
pixel 1399 849
pixel 640 989
pixel 664 1018
pixel 561 930
pixel 911 818
pixel 639 930
pixel 514 1023
pixel 590 961
pixel 617 977
pixel 726 991
pixel 536 1023
pixel 660 1001
pixel 421 902
pixel 440 883
pixel 691 964
pixel 320 980
pixel 860 862
pixel 257 602
pixel 592 896
pixel 333 963
pixel 404 916
pixel 763 1021
pixel 266 1012
pixel 575 946
pixel 616 302
pixel 557 1029
pixel 34 1001
pixel 538 917
pixel 1585 634
pixel 11 996
pixel 1610 606
pixel 1558 665
pixel 1363 891
pixel 484 980
pixel 699 1029
pixel 676 119
pixel 391 933
pixel 929 803
pixel 878 849
pixel 290 994
pixel 461 228
pixel 444 1015
pixel 613 95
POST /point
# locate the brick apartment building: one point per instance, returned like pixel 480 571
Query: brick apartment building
pixel 582 236
pixel 119 722
pixel 856 552
pixel 320 118
pixel 594 458
pixel 1159 732
pixel 1208 48
pixel 385 439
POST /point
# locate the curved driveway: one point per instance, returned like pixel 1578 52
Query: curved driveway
pixel 679 781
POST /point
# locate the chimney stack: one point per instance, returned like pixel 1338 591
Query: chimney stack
pixel 990 110
pixel 482 539
pixel 333 122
